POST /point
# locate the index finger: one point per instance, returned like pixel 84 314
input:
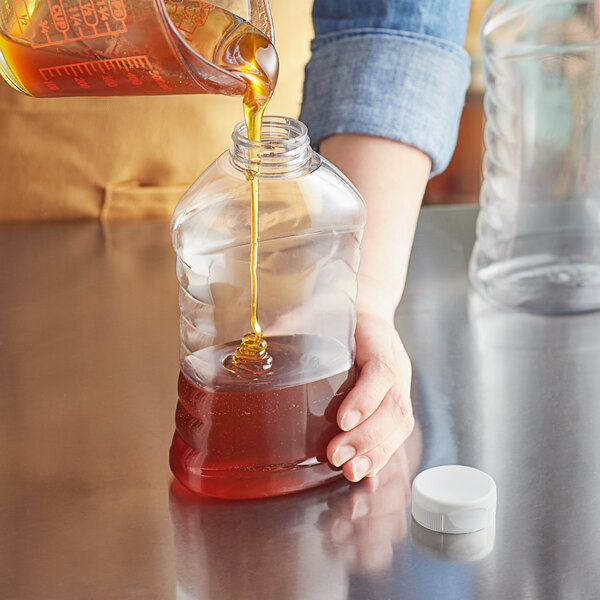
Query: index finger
pixel 374 382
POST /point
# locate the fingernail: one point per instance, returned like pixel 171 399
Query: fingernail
pixel 350 420
pixel 360 467
pixel 342 454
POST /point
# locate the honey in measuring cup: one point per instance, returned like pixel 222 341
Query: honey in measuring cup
pixel 130 47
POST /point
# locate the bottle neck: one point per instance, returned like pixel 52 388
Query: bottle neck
pixel 284 149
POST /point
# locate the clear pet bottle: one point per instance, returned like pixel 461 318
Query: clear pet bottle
pixel 246 430
pixel 538 233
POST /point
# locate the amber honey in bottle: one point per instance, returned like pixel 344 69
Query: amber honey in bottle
pixel 262 435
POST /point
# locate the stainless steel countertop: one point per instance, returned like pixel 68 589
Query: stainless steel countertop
pixel 88 370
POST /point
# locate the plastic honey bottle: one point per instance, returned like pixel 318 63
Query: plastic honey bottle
pixel 255 424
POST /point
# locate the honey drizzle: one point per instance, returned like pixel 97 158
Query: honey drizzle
pixel 253 115
pixel 251 355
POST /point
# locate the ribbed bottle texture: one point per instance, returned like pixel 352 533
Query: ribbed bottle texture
pixel 538 231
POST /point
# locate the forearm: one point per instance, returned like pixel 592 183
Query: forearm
pixel 391 176
pixel 385 78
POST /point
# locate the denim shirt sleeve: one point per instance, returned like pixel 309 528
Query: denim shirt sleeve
pixel 390 68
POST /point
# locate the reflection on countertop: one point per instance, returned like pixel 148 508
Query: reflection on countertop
pixel 88 387
pixel 298 546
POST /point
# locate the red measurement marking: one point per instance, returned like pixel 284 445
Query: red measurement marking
pixel 75 70
pixel 109 81
pixel 82 83
pixel 135 80
pixel 160 82
pixel 44 28
pixel 71 20
pixel 103 11
pixel 71 38
pixel 23 18
pixel 59 17
pixel 206 8
pixel 117 9
pixel 188 18
pixel 75 18
pixel 51 86
pixel 88 10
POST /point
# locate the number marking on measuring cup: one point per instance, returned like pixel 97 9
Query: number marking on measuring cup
pixel 188 18
pixel 23 18
pixel 112 72
pixel 70 20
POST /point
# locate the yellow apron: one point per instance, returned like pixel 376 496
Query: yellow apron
pixel 128 158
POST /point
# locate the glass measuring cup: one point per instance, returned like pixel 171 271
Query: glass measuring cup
pixel 127 47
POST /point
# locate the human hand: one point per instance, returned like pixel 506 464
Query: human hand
pixel 376 416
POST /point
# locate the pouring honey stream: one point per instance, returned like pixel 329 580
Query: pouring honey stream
pixel 257 64
pixel 239 48
pixel 254 421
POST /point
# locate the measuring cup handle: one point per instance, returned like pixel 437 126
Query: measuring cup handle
pixel 260 17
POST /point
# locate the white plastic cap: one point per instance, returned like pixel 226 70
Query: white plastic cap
pixel 454 499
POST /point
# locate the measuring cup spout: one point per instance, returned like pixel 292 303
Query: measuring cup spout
pixel 131 47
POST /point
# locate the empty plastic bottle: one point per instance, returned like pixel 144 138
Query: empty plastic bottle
pixel 538 233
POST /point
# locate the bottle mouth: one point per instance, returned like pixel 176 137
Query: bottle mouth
pixel 284 133
pixel 284 147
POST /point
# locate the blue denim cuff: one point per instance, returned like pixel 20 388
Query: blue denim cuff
pixel 399 85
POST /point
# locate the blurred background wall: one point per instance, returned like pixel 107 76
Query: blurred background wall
pixel 119 159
